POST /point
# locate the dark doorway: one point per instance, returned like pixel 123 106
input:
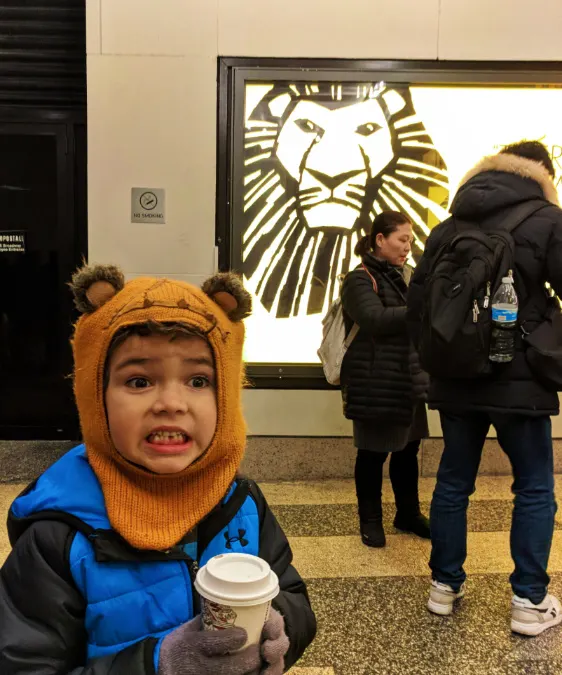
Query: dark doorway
pixel 43 212
pixel 35 307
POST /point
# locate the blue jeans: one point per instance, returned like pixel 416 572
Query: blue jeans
pixel 527 441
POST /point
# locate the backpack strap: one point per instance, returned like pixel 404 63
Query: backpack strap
pixel 515 216
pixel 352 335
pixel 375 285
pixel 355 328
pixel 520 213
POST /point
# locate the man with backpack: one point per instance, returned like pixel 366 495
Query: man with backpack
pixel 506 226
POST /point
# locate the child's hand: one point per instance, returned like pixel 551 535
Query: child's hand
pixel 275 644
pixel 191 651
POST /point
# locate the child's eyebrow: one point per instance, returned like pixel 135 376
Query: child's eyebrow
pixel 138 361
pixel 200 361
pixel 131 362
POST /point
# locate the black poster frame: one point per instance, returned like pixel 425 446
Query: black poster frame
pixel 233 73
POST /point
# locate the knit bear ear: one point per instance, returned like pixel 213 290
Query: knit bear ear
pixel 95 285
pixel 227 291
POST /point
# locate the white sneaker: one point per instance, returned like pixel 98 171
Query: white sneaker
pixel 529 619
pixel 442 598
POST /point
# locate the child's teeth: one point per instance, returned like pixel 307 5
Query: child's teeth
pixel 167 436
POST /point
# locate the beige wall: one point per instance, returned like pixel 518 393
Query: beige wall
pixel 152 117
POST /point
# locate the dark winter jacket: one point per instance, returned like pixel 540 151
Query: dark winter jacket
pixel 76 599
pixel 489 191
pixel 376 379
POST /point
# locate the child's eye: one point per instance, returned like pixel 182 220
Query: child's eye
pixel 199 382
pixel 138 383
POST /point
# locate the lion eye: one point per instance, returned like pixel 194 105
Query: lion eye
pixel 309 127
pixel 368 129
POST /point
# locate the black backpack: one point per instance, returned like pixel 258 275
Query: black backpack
pixel 463 277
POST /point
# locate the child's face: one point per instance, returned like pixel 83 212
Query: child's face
pixel 160 400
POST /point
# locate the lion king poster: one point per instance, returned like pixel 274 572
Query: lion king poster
pixel 322 159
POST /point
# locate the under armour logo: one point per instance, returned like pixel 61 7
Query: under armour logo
pixel 232 540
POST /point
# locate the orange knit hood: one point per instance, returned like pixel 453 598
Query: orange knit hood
pixel 155 511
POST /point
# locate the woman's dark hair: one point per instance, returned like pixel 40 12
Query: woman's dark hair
pixel 385 223
pixel 532 150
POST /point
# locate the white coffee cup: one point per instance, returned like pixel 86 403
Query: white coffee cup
pixel 236 590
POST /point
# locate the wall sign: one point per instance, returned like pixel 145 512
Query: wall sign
pixel 12 241
pixel 148 205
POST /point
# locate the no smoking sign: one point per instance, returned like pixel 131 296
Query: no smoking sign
pixel 148 205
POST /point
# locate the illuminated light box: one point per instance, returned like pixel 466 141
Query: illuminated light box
pixel 307 158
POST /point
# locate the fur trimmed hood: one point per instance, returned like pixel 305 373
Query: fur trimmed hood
pixel 519 166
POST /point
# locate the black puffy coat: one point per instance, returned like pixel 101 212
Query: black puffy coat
pixel 494 186
pixel 376 380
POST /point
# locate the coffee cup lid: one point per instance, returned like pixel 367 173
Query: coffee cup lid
pixel 237 579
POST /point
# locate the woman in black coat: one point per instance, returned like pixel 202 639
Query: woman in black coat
pixel 383 387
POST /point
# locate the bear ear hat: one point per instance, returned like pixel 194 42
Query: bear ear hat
pixel 227 291
pixel 94 285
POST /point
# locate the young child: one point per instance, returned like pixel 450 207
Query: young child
pixel 107 542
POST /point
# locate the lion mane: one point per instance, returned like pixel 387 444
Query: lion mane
pixel 312 150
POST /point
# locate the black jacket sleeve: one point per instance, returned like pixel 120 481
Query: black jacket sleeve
pixel 42 613
pixel 364 307
pixel 417 283
pixel 554 256
pixel 292 602
pixel 415 300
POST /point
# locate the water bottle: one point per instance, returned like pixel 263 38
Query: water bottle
pixel 504 322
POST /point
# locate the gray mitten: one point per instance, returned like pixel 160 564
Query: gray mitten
pixel 275 644
pixel 191 651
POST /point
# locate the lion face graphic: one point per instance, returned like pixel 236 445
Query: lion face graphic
pixel 321 161
pixel 358 137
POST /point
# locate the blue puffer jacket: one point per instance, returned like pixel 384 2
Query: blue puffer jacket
pixel 91 604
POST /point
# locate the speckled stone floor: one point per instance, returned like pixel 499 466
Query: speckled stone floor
pixel 371 603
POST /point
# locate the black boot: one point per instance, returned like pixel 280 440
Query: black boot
pixel 368 484
pixel 404 476
pixel 415 523
pixel 372 533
